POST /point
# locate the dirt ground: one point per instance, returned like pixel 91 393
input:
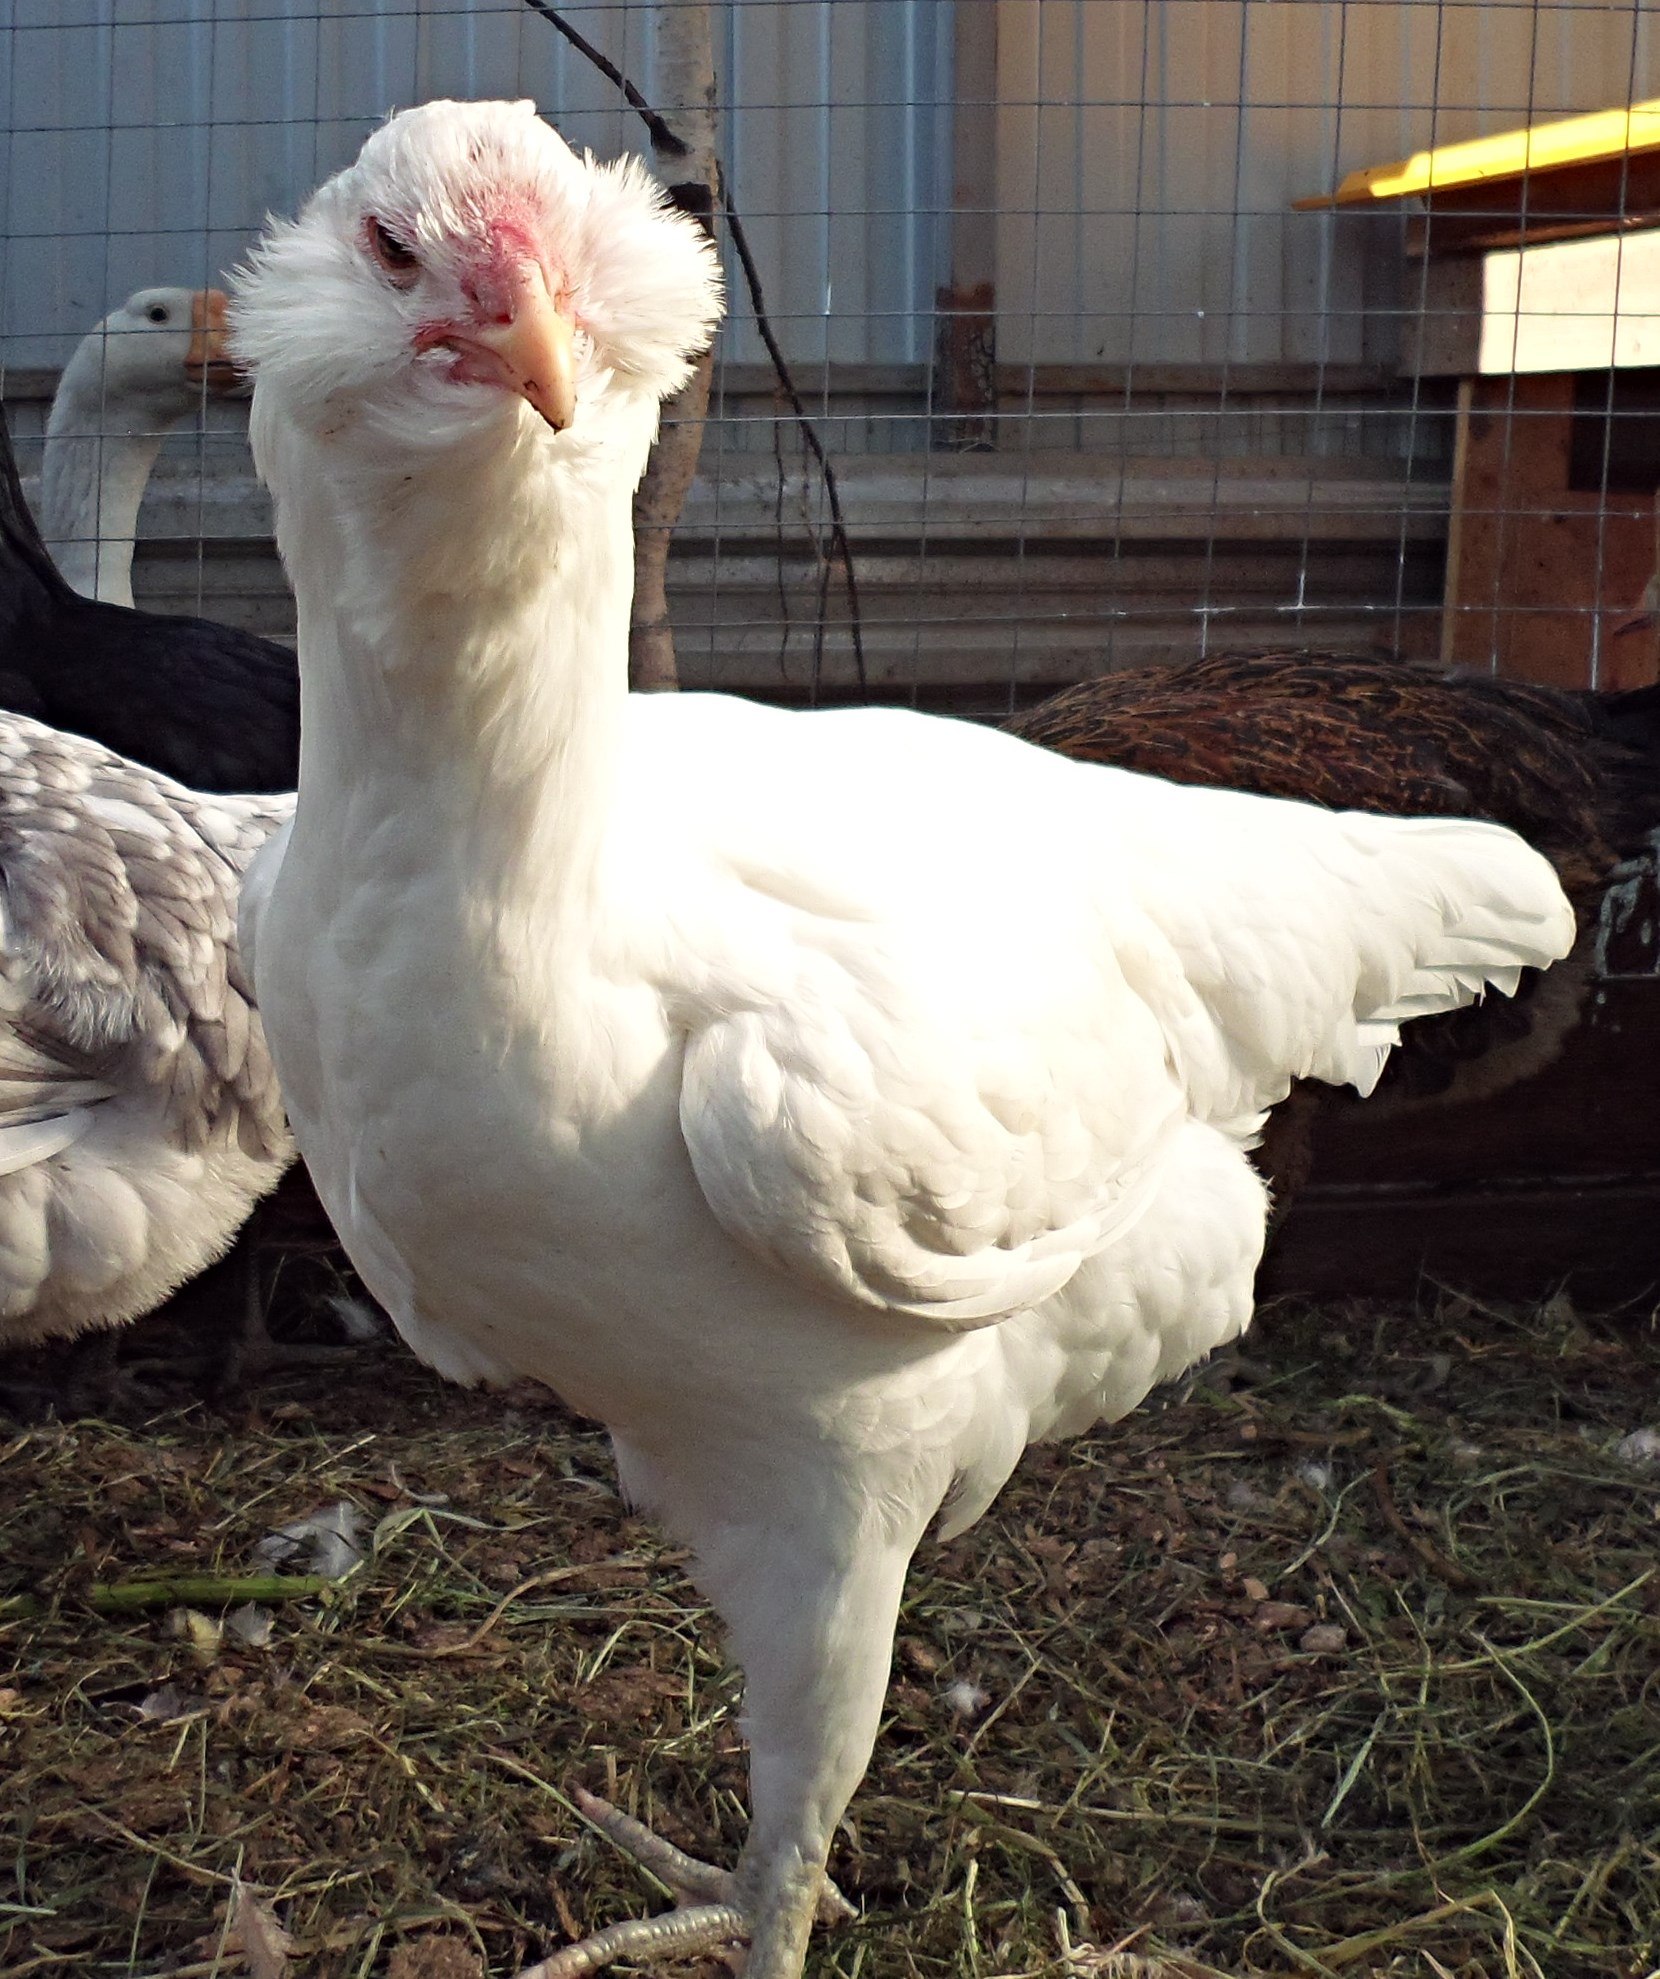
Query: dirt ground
pixel 1347 1663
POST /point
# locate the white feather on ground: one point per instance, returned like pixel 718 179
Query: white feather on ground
pixel 829 1103
pixel 139 1116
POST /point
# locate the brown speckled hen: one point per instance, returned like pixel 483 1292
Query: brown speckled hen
pixel 1577 775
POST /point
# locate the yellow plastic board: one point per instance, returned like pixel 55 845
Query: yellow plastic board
pixel 1508 155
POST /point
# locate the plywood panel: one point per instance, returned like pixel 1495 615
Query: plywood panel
pixel 1540 572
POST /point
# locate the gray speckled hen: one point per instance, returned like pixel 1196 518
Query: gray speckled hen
pixel 139 1117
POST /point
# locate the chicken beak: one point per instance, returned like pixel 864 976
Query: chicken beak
pixel 208 360
pixel 537 347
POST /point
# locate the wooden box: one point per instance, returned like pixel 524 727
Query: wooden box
pixel 1533 277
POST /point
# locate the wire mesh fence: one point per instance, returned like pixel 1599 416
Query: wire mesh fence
pixel 1027 292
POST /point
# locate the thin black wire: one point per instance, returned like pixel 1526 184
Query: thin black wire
pixel 665 140
pixel 809 432
pixel 661 136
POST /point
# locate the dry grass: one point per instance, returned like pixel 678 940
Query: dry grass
pixel 1113 1746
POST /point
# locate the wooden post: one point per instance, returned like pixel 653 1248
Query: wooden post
pixel 965 338
pixel 683 91
pixel 1453 593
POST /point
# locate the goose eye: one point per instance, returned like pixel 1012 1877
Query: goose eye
pixel 402 263
pixel 157 313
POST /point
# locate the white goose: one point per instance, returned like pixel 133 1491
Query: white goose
pixel 140 371
pixel 831 1103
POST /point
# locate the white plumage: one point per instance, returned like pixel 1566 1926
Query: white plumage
pixel 138 372
pixel 139 1116
pixel 830 1103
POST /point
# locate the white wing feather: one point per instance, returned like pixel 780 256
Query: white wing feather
pixel 853 1143
pixel 935 1088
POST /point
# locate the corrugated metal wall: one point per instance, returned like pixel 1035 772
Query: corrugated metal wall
pixel 1148 150
pixel 146 139
pixel 1148 155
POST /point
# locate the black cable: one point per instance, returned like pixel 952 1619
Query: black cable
pixel 809 432
pixel 664 139
pixel 661 136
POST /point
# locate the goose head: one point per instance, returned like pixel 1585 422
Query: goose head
pixel 148 362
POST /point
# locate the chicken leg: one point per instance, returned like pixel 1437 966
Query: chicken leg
pixel 814 1635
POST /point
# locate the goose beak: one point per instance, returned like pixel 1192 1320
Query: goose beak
pixel 208 360
pixel 535 346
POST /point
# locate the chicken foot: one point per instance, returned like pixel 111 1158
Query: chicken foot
pixel 708 1909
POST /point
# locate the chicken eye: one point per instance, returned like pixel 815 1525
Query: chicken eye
pixel 401 262
pixel 157 312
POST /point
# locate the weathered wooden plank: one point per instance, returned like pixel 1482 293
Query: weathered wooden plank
pixel 1556 1178
pixel 1620 192
pixel 1070 496
pixel 945 616
pixel 1600 1238
pixel 984 660
pixel 981 576
pixel 965 304
pixel 1454 582
pixel 986 498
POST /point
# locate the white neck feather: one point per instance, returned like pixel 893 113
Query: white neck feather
pixel 102 437
pixel 463 635
pixel 91 484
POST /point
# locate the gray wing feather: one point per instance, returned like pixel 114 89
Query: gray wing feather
pixel 118 964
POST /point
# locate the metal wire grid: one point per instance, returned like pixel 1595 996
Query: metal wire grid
pixel 1197 431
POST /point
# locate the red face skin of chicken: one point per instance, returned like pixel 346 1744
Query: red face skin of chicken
pixel 518 334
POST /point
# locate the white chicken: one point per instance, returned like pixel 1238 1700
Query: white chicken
pixel 830 1103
